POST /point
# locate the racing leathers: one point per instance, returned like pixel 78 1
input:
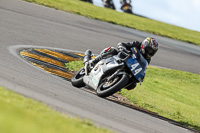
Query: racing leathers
pixel 129 45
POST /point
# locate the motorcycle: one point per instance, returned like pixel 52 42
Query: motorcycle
pixel 90 1
pixel 112 74
pixel 126 6
pixel 108 4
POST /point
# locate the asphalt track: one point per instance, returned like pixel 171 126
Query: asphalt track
pixel 24 24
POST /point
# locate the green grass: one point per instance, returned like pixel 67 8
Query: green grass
pixel 74 65
pixel 22 115
pixel 170 93
pixel 136 22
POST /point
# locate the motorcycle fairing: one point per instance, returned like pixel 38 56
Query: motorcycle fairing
pixel 102 68
pixel 94 76
pixel 137 64
pixel 136 69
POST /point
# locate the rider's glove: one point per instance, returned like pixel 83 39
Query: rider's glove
pixel 122 48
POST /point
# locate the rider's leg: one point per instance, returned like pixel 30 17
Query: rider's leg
pixel 107 52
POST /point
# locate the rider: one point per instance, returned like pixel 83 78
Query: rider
pixel 148 48
pixel 122 2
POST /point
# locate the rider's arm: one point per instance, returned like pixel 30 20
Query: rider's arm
pixel 129 45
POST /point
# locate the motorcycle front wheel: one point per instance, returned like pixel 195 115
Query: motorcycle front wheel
pixel 77 79
pixel 107 88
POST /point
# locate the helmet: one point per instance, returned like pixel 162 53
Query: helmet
pixel 149 47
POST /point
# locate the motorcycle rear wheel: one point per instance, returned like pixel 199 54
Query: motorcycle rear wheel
pixel 106 88
pixel 77 79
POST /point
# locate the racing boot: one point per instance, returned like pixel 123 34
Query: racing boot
pixel 91 63
pixel 87 56
pixel 86 59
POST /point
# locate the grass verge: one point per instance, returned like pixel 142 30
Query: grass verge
pixel 22 115
pixel 170 93
pixel 136 22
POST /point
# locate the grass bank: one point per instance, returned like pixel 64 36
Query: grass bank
pixel 136 22
pixel 170 93
pixel 22 115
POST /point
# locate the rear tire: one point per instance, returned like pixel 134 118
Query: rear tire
pixel 106 89
pixel 77 79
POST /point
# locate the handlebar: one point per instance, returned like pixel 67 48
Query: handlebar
pixel 124 53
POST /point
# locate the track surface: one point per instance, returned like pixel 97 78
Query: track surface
pixel 26 24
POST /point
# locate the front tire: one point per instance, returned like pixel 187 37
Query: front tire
pixel 106 88
pixel 77 79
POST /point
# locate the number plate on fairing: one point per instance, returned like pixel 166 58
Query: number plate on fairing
pixel 136 68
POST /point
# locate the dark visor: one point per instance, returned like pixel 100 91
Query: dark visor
pixel 150 51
